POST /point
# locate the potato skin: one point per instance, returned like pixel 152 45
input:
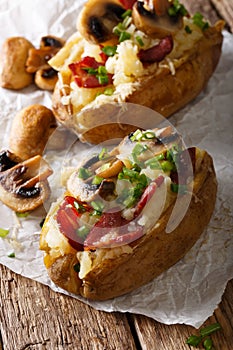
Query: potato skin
pixel 13 59
pixel 151 255
pixel 162 92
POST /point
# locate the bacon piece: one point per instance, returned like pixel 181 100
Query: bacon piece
pixel 158 52
pixel 81 75
pixel 128 4
pixel 67 219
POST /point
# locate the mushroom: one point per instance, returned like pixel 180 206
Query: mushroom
pixel 37 62
pixel 13 73
pixel 30 131
pixel 46 78
pixel 152 17
pixel 85 187
pixel 23 186
pixel 98 18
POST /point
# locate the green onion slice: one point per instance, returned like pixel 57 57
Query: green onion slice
pixel 4 232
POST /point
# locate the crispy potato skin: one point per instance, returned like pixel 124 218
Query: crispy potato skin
pixel 152 254
pixel 163 92
pixel 13 58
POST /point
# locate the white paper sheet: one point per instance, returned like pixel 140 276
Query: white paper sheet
pixel 190 291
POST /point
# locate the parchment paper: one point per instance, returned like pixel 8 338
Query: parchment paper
pixel 190 291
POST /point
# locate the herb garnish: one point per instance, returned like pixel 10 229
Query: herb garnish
pixel 3 232
pixel 198 19
pixel 196 340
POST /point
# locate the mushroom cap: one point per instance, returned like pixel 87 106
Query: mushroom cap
pixel 98 18
pixel 155 22
pixel 24 185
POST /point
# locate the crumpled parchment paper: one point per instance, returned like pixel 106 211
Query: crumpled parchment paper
pixel 190 291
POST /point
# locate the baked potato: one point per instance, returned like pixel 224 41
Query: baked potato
pixel 158 57
pixel 128 214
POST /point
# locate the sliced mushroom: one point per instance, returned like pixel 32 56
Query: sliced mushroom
pixel 37 62
pixel 86 189
pixel 51 41
pixel 98 18
pixel 46 79
pixel 24 186
pixel 152 18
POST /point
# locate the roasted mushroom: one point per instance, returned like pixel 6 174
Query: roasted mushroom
pixel 37 62
pixel 98 18
pixel 95 179
pixel 154 18
pixel 30 131
pixel 14 53
pixel 23 186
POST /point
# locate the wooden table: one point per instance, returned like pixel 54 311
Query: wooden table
pixel 33 317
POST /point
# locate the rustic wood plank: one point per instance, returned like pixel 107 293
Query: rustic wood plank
pixel 225 9
pixel 154 335
pixel 33 317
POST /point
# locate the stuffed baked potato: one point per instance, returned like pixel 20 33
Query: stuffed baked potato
pixel 154 54
pixel 128 214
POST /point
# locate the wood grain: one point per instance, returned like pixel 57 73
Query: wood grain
pixel 154 335
pixel 34 317
pixel 225 9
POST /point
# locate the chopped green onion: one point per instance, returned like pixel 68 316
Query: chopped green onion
pixel 98 206
pixel 91 71
pixel 3 232
pixel 139 148
pixel 103 79
pixel 188 29
pixel 210 329
pixel 148 135
pixel 194 340
pixel 104 167
pixel 153 163
pixel 126 14
pixel 108 92
pixel 97 180
pixel 84 173
pixel 167 166
pixel 22 215
pixel 208 344
pixel 82 231
pixel 139 40
pixel 103 153
pixel 76 267
pixel 109 50
pixel 177 9
pixel 124 36
pixel 80 208
pixel 11 255
pixel 198 19
pixel 178 188
pixel 136 135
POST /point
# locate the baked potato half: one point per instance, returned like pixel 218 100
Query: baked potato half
pixel 159 61
pixel 128 215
